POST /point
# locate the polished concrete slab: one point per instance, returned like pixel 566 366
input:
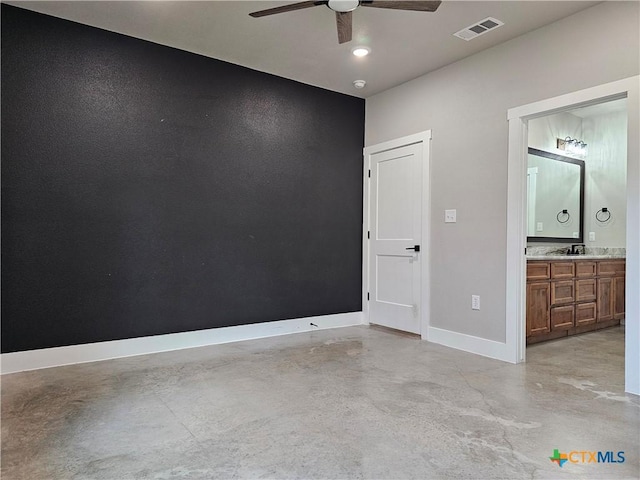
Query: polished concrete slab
pixel 357 402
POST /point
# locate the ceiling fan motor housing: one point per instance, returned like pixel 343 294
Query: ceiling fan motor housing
pixel 343 5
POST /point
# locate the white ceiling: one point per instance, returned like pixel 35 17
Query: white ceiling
pixel 302 45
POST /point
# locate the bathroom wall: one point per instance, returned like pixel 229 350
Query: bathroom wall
pixel 605 166
pixel 543 134
pixel 544 131
pixel 606 178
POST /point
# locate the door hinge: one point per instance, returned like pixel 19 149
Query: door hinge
pixel 369 234
pixel 369 173
pixel 367 296
pixel 525 250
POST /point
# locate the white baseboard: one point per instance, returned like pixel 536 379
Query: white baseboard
pixel 471 344
pixel 93 352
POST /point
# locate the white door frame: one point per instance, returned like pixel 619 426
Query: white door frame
pixel 532 182
pixel 425 260
pixel 516 216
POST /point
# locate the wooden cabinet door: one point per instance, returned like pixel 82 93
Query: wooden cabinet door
pixel 562 292
pixel 611 267
pixel 586 269
pixel 605 299
pixel 585 289
pixel 562 317
pixel 538 303
pixel 537 270
pixel 586 313
pixel 618 298
pixel 563 270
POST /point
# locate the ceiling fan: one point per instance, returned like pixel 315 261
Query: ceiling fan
pixel 345 8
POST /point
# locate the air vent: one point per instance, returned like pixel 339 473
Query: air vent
pixel 480 28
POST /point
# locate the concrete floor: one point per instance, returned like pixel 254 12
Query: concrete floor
pixel 358 402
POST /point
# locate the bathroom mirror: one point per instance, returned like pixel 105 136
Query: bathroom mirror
pixel 555 198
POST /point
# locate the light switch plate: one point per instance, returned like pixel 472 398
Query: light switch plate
pixel 449 216
pixel 592 236
pixel 539 227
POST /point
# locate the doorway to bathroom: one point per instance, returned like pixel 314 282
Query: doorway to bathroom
pixel 576 221
pixel 597 126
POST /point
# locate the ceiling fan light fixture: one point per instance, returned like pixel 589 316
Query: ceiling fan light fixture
pixel 343 5
pixel 361 51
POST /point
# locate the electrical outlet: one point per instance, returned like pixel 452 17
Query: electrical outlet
pixel 592 236
pixel 475 302
pixel 449 216
pixel 539 227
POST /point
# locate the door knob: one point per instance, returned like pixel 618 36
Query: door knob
pixel 415 248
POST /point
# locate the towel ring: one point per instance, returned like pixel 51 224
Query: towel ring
pixel 603 215
pixel 564 214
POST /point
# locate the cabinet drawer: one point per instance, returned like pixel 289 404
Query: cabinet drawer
pixel 562 292
pixel 586 269
pixel 562 317
pixel 537 270
pixel 610 268
pixel 562 270
pixel 585 289
pixel 585 313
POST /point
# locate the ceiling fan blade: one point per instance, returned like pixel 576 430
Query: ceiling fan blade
pixel 344 21
pixel 286 8
pixel 428 6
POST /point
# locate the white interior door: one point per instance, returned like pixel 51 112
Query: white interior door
pixel 396 238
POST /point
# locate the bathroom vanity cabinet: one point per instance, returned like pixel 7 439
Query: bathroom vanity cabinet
pixel 571 295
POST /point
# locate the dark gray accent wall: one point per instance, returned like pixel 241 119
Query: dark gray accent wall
pixel 147 190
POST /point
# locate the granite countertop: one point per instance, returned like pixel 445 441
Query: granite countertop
pixel 566 258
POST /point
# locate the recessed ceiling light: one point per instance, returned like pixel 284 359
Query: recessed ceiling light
pixel 361 51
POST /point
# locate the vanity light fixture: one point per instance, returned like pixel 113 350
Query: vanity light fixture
pixel 361 51
pixel 572 146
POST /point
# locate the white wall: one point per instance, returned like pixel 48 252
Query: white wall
pixel 606 178
pixel 465 105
